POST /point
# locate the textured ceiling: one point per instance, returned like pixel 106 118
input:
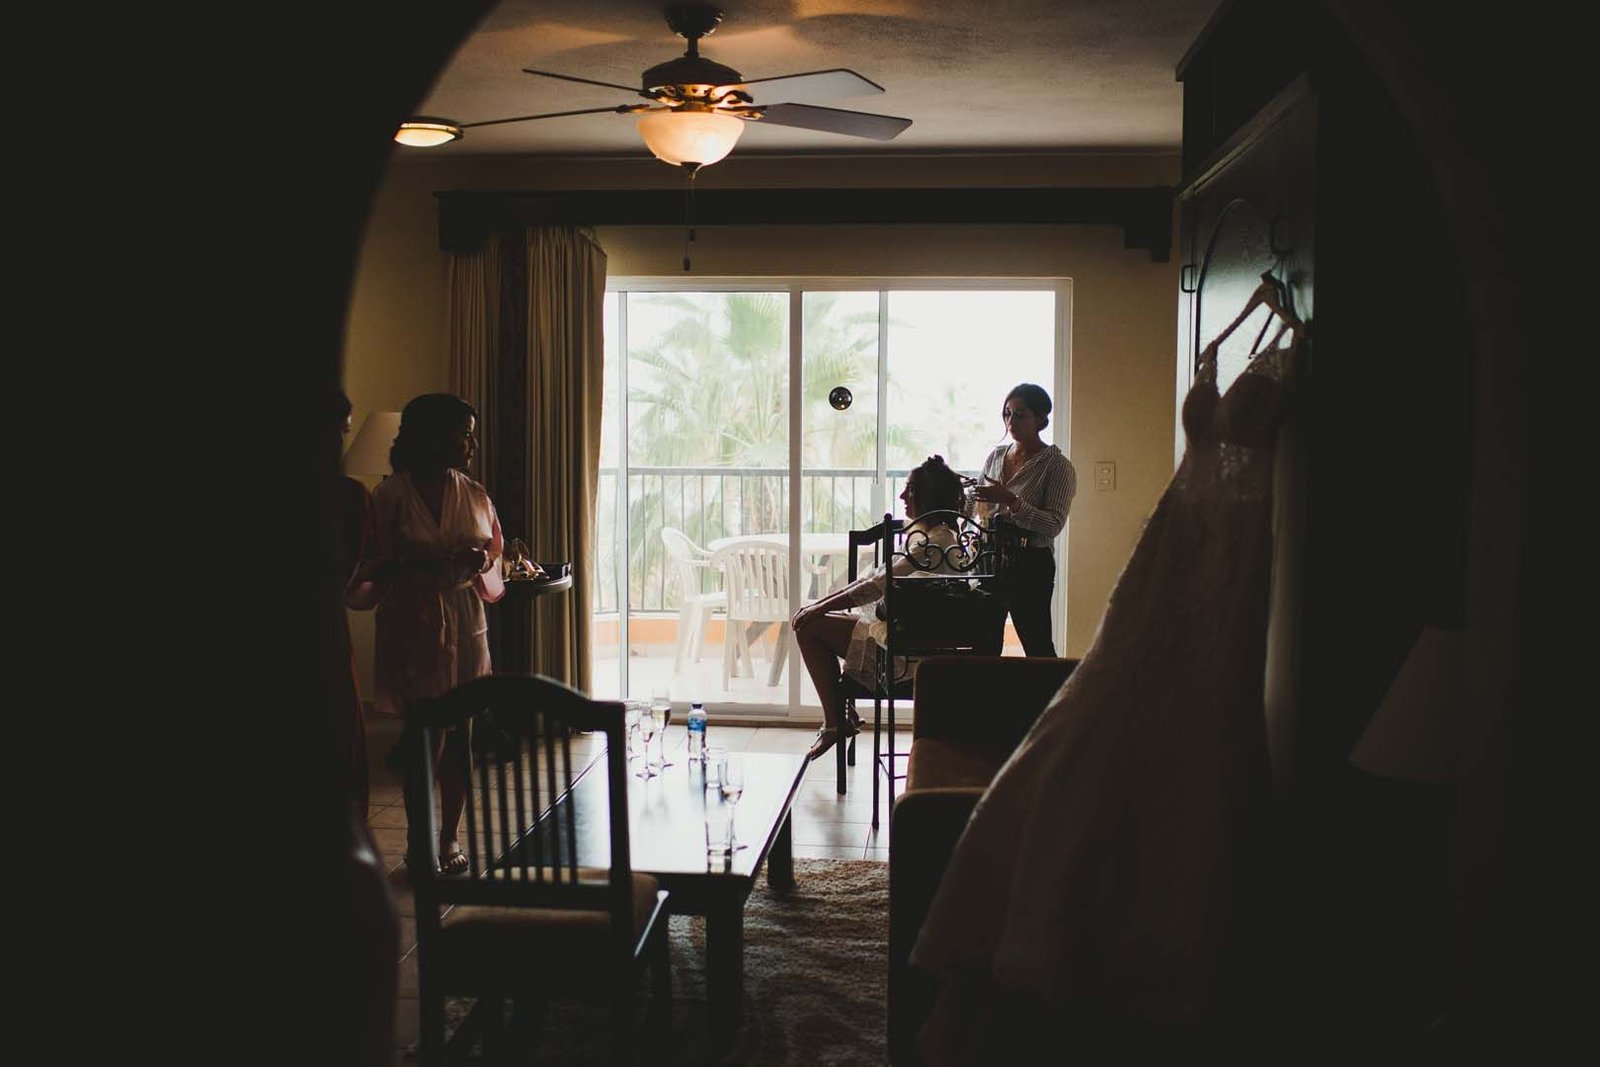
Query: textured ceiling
pixel 978 77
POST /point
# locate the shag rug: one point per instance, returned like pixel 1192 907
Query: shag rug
pixel 816 965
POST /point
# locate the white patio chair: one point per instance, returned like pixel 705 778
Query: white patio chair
pixel 756 577
pixel 695 608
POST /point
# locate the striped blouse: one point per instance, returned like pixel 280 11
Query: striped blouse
pixel 1046 483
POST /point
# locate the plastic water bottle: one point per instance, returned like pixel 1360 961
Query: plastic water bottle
pixel 697 730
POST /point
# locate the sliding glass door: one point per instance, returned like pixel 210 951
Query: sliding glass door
pixel 730 409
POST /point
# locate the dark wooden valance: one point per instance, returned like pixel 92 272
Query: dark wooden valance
pixel 1145 214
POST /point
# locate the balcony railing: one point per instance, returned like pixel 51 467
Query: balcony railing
pixel 711 502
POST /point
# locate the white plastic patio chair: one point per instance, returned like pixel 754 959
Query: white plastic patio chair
pixel 695 608
pixel 756 577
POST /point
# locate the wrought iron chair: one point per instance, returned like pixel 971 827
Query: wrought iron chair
pixel 941 598
pixel 872 537
pixel 525 923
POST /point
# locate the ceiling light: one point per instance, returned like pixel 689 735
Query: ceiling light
pixel 426 133
pixel 689 136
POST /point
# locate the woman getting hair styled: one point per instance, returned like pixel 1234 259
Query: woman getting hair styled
pixel 1033 484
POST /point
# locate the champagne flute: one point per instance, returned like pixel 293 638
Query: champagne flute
pixel 661 714
pixel 633 711
pixel 647 730
pixel 732 789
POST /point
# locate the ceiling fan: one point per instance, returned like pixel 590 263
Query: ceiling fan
pixel 698 108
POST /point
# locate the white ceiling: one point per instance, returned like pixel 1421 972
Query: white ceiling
pixel 975 76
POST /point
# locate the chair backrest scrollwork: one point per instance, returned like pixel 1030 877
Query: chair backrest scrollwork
pixel 948 542
pixel 943 592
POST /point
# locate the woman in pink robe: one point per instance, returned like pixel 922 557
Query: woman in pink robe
pixel 437 544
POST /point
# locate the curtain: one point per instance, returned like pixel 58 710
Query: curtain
pixel 566 272
pixel 474 314
pixel 526 351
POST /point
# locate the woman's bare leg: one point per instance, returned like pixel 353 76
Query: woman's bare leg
pixel 451 763
pixel 823 646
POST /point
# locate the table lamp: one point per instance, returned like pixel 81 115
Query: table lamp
pixel 368 454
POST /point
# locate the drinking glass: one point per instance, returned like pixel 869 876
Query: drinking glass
pixel 716 759
pixel 719 833
pixel 647 730
pixel 632 712
pixel 661 714
pixel 732 778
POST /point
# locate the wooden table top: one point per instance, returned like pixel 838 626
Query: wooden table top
pixel 666 815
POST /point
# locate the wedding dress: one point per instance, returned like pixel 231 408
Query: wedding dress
pixel 1101 865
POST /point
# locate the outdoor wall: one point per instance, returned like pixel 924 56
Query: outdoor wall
pixel 1124 319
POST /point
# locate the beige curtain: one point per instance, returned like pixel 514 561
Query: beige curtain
pixel 566 294
pixel 474 313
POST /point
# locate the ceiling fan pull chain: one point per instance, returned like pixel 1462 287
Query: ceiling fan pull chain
pixel 688 211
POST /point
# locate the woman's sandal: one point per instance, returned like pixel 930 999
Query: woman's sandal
pixel 827 736
pixel 452 860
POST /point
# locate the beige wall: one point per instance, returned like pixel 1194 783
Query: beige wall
pixel 1123 326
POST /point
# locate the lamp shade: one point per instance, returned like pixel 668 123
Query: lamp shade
pixel 680 137
pixel 426 133
pixel 368 454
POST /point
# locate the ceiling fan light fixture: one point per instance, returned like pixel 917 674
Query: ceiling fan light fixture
pixel 684 136
pixel 427 133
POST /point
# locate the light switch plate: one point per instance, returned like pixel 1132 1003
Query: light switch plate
pixel 1105 476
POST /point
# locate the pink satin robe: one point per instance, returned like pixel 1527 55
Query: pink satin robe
pixel 432 634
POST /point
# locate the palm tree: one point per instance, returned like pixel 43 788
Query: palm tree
pixel 708 386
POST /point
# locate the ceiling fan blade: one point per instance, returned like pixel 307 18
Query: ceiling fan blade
pixel 812 85
pixel 834 120
pixel 586 81
pixel 619 109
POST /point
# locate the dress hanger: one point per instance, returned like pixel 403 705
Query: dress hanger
pixel 1270 294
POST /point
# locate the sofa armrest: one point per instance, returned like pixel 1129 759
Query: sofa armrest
pixel 924 827
pixel 988 702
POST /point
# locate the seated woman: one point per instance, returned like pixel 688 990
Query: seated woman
pixel 829 635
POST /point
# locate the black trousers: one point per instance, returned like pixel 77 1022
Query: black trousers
pixel 1029 584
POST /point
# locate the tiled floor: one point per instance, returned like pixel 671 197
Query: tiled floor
pixel 826 825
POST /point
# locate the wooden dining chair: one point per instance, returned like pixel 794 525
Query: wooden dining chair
pixel 525 924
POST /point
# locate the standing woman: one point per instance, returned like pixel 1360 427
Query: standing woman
pixel 1033 483
pixel 352 533
pixel 436 545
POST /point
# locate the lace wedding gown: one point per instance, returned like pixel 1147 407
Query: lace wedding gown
pixel 1100 866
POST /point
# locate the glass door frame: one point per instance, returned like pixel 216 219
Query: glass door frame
pixel 797 286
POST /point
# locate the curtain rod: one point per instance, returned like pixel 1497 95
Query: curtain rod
pixel 467 218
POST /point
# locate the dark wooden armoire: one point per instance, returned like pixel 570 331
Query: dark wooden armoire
pixel 1297 162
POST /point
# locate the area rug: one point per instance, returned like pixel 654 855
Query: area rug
pixel 815 981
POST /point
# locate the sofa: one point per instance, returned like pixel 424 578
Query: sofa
pixel 970 713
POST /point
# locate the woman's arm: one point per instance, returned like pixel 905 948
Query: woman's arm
pixel 1053 493
pixel 488 581
pixel 864 590
pixel 868 589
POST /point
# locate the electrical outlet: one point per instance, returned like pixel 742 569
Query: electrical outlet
pixel 1105 476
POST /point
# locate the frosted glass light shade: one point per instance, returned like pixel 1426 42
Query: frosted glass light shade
pixel 680 137
pixel 426 134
